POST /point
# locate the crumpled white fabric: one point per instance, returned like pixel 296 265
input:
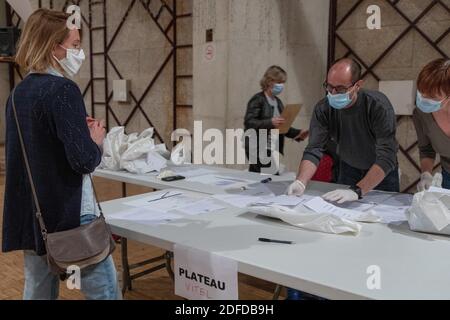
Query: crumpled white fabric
pixel 301 218
pixel 430 213
pixel 136 153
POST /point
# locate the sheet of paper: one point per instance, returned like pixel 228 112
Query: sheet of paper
pixel 173 203
pixel 189 172
pixel 237 201
pixel 319 205
pixel 144 215
pixel 279 188
pixel 155 198
pixel 357 205
pixel 390 214
pixel 220 181
pixel 256 190
pixel 377 197
pixel 399 200
pixel 439 190
pixel 201 207
pixel 201 275
pixel 284 200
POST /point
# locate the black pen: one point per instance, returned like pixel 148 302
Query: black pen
pixel 275 241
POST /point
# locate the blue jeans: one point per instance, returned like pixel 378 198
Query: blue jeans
pixel 293 294
pixel 445 180
pixel 350 176
pixel 98 282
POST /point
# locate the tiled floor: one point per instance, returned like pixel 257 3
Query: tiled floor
pixel 157 286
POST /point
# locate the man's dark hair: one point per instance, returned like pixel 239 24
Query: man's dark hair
pixel 355 68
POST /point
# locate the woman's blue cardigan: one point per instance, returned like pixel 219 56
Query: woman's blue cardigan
pixel 52 116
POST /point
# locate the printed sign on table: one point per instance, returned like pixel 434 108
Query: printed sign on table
pixel 201 275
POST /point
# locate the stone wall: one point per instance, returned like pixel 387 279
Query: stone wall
pixel 138 51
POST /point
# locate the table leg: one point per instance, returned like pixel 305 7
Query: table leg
pixel 126 278
pixel 169 258
pixel 276 294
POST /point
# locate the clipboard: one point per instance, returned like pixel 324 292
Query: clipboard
pixel 289 114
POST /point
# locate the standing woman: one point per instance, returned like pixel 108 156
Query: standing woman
pixel 264 112
pixel 432 121
pixel 64 146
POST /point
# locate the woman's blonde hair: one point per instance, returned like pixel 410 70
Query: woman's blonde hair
pixel 44 30
pixel 273 74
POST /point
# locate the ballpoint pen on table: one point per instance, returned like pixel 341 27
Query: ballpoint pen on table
pixel 275 241
pixel 165 196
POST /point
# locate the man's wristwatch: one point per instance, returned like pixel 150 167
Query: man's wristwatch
pixel 357 190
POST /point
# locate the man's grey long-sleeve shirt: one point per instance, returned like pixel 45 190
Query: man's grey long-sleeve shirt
pixel 365 133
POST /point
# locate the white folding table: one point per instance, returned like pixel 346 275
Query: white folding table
pixel 151 181
pixel 411 265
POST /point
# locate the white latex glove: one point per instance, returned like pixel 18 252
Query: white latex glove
pixel 341 196
pixel 296 189
pixel 426 181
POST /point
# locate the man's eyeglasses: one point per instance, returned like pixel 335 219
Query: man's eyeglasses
pixel 338 89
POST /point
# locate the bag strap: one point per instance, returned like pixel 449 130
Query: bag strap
pixel 96 198
pixel 30 177
pixel 42 226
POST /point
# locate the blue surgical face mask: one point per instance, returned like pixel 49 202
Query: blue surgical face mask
pixel 427 105
pixel 339 101
pixel 277 89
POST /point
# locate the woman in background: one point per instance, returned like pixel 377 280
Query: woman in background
pixel 64 146
pixel 264 112
pixel 432 122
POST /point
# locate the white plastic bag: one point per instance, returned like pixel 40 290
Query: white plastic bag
pixel 134 153
pixel 301 218
pixel 430 213
pixel 113 147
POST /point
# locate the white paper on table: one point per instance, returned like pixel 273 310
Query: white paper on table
pixel 219 275
pixel 173 203
pixel 257 190
pixel 220 181
pixel 390 214
pixel 399 200
pixel 377 197
pixel 439 190
pixel 188 172
pixel 237 201
pixel 357 205
pixel 284 200
pixel 201 207
pixel 144 214
pixel 319 205
pixel 154 198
